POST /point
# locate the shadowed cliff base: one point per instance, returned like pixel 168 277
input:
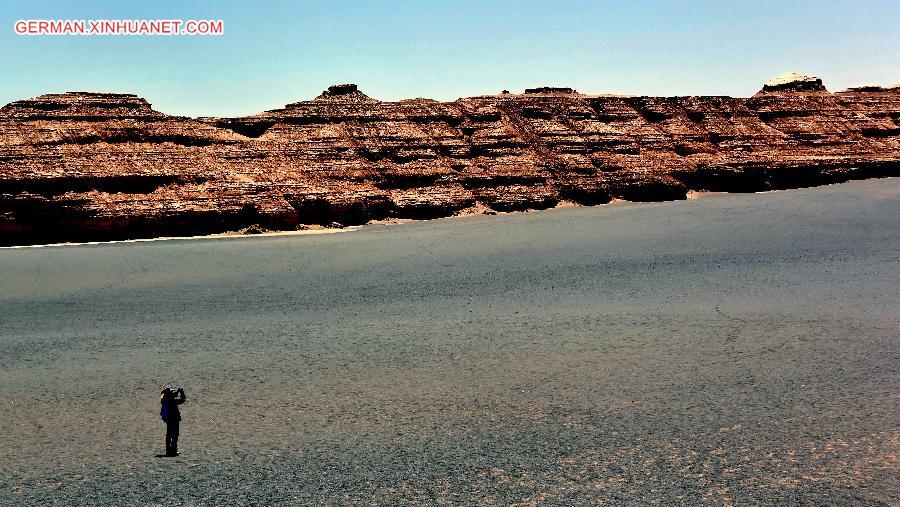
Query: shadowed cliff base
pixel 85 166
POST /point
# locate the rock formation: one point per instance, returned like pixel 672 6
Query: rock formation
pixel 793 82
pixel 550 89
pixel 96 166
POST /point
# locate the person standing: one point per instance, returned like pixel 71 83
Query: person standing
pixel 169 400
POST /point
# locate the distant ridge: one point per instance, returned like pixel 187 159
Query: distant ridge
pixel 84 166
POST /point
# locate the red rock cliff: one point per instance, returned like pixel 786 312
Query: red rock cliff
pixel 90 166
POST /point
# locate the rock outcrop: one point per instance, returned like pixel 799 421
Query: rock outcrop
pixel 550 89
pixel 793 82
pixel 97 166
pixel 344 93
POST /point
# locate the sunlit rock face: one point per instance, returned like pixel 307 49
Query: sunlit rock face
pixel 88 166
pixel 793 82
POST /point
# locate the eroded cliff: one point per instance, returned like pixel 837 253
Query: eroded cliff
pixel 96 166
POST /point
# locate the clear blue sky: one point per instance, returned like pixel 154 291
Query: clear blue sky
pixel 277 52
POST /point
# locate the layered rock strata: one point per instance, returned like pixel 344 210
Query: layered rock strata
pixel 100 166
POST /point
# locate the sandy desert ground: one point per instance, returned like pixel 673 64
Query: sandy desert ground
pixel 734 349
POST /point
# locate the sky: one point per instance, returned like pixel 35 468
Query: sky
pixel 276 52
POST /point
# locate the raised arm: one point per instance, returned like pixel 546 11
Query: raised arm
pixel 180 397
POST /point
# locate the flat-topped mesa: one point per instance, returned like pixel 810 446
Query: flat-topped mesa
pixel 342 89
pixel 80 105
pixel 347 92
pixel 793 82
pixel 869 88
pixel 546 90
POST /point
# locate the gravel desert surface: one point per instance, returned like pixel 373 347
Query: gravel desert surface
pixel 737 349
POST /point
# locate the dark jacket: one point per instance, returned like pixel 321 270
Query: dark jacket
pixel 169 409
